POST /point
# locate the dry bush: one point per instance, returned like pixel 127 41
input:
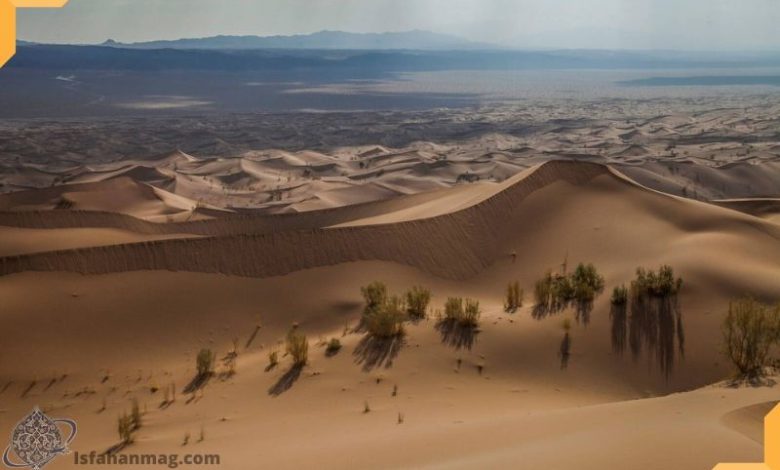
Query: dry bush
pixel 417 300
pixel 453 309
pixel 464 313
pixel 543 290
pixel 297 347
pixel 514 297
pixel 205 363
pixel 750 330
pixel 471 314
pixel 375 295
pixel 125 429
pixel 386 320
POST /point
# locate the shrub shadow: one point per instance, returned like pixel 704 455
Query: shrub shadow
pixel 286 381
pixel 373 351
pixel 456 335
pixel 565 351
pixel 197 383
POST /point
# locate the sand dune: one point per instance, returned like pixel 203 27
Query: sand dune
pixel 724 154
pixel 134 264
pixel 496 223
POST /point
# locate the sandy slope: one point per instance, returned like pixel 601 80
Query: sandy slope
pixel 79 341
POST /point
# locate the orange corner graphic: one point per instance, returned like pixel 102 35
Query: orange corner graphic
pixel 771 447
pixel 8 22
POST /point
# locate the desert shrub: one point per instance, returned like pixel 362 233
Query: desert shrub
pixel 273 359
pixel 585 282
pixel 471 314
pixel 557 291
pixel 375 295
pixel 297 346
pixel 749 332
pixel 205 362
pixel 649 283
pixel 334 346
pixel 514 297
pixel 453 308
pixel 464 313
pixel 417 300
pixel 125 429
pixel 543 290
pixel 135 416
pixel 619 295
pixel 386 320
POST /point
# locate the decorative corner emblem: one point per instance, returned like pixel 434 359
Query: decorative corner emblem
pixel 8 22
pixel 37 440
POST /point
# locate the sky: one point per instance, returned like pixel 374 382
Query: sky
pixel 600 24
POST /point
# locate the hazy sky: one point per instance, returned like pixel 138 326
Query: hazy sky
pixel 663 24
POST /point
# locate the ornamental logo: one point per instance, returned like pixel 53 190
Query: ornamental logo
pixel 37 440
pixel 8 22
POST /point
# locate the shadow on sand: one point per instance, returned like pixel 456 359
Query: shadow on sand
pixel 456 335
pixel 373 351
pixel 582 310
pixel 286 381
pixel 654 326
pixel 197 383
pixel 565 351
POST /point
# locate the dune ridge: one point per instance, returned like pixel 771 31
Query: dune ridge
pixel 476 237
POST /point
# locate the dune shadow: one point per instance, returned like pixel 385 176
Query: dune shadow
pixel 456 335
pixel 286 381
pixel 373 351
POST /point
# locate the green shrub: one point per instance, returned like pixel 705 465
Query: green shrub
pixel 750 330
pixel 619 295
pixel 205 363
pixel 514 297
pixel 417 300
pixel 586 281
pixel 298 347
pixel 375 295
pixel 648 283
pixel 386 320
pixel 556 291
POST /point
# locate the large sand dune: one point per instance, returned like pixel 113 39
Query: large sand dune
pixel 107 314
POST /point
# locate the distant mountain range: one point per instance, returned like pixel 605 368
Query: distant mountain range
pixel 416 40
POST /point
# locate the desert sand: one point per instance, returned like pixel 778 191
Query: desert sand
pixel 114 274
